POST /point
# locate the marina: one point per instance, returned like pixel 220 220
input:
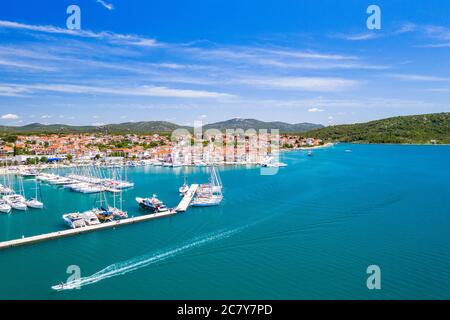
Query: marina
pixel 89 227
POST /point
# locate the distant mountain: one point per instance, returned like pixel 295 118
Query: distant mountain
pixel 157 126
pixel 127 127
pixel 419 129
pixel 245 124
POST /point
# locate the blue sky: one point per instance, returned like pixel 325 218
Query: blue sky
pixel 212 60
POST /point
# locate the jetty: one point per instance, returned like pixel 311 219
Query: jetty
pixel 182 207
pixel 187 198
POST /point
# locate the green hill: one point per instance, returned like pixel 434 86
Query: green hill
pixel 127 127
pixel 156 126
pixel 404 129
pixel 238 123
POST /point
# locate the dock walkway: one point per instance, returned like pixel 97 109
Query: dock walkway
pixel 187 198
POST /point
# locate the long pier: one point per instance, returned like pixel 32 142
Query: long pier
pixel 182 206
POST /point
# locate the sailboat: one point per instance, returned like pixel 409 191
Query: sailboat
pixel 184 188
pixel 16 200
pixel 4 207
pixel 34 202
pixel 209 194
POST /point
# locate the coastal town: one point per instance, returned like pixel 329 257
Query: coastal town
pixel 43 148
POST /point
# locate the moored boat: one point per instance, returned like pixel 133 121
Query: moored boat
pixel 74 220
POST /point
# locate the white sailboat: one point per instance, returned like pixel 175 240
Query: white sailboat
pixel 209 194
pixel 4 206
pixel 34 202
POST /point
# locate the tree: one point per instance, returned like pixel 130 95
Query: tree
pixel 10 139
pixel 43 159
pixel 69 157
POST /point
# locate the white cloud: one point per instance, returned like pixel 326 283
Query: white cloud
pixel 46 116
pixel 9 116
pixel 315 110
pixel 108 6
pixel 320 84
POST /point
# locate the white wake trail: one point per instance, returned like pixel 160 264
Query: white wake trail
pixel 121 268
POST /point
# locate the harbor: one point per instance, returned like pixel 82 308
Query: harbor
pixel 104 216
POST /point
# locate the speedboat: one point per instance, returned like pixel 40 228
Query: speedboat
pixel 4 207
pixel 34 203
pixel 16 201
pixel 153 204
pixel 74 220
pixel 310 153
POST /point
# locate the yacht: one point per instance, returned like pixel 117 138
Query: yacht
pixel 74 220
pixel 90 218
pixel 153 204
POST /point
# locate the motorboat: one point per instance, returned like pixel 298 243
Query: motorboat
pixel 153 204
pixel 90 218
pixel 74 220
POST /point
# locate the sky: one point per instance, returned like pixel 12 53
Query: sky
pixel 212 60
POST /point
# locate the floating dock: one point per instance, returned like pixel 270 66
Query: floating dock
pixel 187 198
pixel 182 207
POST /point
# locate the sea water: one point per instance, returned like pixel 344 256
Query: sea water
pixel 308 232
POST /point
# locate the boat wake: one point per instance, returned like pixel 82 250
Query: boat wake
pixel 121 268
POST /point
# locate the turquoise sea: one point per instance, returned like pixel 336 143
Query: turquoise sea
pixel 308 232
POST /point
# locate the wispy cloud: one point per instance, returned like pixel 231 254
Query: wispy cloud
pixel 114 37
pixel 418 77
pixel 108 6
pixel 315 110
pixel 357 36
pixel 150 91
pixel 315 84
